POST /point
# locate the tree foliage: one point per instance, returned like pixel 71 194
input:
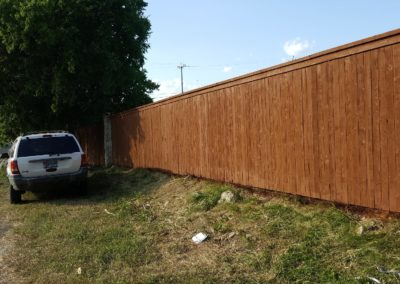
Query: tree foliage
pixel 65 63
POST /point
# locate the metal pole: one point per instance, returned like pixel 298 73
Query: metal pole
pixel 182 79
pixel 181 67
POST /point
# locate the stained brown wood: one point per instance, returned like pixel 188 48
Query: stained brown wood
pixel 92 142
pixel 326 126
pixel 395 187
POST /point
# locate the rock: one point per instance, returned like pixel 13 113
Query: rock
pixel 227 197
pixel 360 230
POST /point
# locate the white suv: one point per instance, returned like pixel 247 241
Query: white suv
pixel 45 160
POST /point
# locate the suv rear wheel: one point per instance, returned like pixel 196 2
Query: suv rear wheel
pixel 15 196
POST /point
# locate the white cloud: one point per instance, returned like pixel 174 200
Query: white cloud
pixel 296 47
pixel 227 69
pixel 171 87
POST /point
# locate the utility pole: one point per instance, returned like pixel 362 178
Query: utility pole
pixel 181 67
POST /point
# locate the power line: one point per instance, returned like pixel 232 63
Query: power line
pixel 167 64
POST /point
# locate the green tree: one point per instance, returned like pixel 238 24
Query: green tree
pixel 65 63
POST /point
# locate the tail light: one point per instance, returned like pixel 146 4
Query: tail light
pixel 14 167
pixel 84 162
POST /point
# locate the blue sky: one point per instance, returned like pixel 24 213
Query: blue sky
pixel 222 39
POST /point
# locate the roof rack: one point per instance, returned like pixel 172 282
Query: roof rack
pixel 43 132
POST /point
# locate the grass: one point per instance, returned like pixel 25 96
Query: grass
pixel 135 226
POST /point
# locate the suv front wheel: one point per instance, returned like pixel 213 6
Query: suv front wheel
pixel 15 196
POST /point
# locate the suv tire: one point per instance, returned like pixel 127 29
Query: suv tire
pixel 15 196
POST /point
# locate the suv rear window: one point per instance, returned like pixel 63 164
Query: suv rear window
pixel 47 145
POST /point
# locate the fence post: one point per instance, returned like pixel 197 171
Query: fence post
pixel 107 141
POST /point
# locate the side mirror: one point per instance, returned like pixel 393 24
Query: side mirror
pixel 4 156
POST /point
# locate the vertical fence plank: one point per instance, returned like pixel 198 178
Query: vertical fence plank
pixel 308 130
pixel 260 131
pixel 376 136
pixel 229 136
pixel 222 139
pixel 285 126
pixel 237 122
pixel 299 133
pixel 316 189
pixel 390 124
pixel 395 186
pixel 369 194
pixel 352 129
pixel 280 129
pixel 385 101
pixel 244 118
pixel 339 104
pixel 205 141
pixel 212 120
pixel 291 155
pixel 266 141
pixel 323 131
pixel 362 96
pixel 336 130
pixel 274 132
pixel 255 114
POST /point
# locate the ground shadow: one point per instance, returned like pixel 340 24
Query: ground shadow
pixel 104 185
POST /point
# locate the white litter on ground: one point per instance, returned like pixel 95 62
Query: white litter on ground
pixel 108 212
pixel 373 279
pixel 198 238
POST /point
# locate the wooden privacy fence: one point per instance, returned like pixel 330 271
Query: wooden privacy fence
pixel 92 142
pixel 326 126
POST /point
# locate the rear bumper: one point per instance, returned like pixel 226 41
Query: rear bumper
pixel 46 182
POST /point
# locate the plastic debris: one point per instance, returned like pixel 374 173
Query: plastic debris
pixel 227 197
pixel 360 230
pixel 198 238
pixel 373 279
pixel 108 212
pixel 79 271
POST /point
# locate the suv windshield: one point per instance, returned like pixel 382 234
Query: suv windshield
pixel 47 145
